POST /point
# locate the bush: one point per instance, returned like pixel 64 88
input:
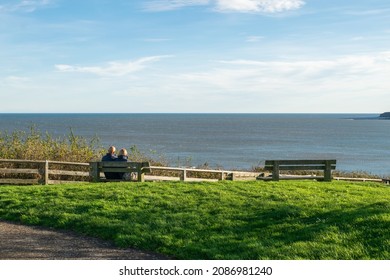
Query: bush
pixel 34 145
pixel 37 146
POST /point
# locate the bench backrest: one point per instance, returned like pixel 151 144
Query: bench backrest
pixel 118 167
pixel 124 166
pixel 300 164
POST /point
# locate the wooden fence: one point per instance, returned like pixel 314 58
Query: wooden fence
pixel 45 172
pixel 162 173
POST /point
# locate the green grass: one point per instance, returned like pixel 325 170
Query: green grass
pixel 224 220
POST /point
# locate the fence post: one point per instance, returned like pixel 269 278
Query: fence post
pixel 46 173
pixel 183 176
pixel 94 171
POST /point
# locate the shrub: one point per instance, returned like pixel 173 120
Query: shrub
pixel 33 145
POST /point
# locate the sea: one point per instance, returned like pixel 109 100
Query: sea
pixel 359 142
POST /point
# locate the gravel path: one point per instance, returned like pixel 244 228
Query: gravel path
pixel 19 242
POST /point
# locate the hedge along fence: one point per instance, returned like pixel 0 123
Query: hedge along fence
pixel 27 172
pixel 35 145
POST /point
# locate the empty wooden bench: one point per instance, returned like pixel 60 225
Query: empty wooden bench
pixel 121 167
pixel 275 166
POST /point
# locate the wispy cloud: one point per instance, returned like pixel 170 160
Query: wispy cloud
pixel 254 39
pixel 113 68
pixel 15 80
pixel 156 40
pixel 369 12
pixel 242 6
pixel 258 6
pixel 168 5
pixel 348 73
pixel 24 6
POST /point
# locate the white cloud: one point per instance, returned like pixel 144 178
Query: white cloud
pixel 242 6
pixel 17 79
pixel 25 5
pixel 113 68
pixel 156 40
pixel 167 5
pixel 262 6
pixel 372 12
pixel 348 74
pixel 254 39
pixel 338 84
pixel 15 82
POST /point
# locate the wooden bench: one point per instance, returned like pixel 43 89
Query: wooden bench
pixel 275 166
pixel 96 168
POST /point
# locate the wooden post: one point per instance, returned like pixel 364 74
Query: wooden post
pixel 141 175
pixel 233 176
pixel 222 176
pixel 94 171
pixel 183 176
pixel 46 173
pixel 327 171
pixel 275 171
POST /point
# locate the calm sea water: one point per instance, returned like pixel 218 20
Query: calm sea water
pixel 231 141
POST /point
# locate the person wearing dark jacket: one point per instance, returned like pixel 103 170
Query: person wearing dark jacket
pixel 122 156
pixel 111 156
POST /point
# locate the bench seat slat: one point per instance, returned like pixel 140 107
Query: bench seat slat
pixel 119 169
pixel 300 167
pixel 299 161
pixel 119 164
pixel 282 177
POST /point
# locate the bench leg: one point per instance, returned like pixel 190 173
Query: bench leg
pixel 140 176
pixel 327 172
pixel 275 172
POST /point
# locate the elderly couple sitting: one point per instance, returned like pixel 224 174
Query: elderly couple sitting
pixel 111 156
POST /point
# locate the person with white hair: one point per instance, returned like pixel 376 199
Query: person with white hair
pixel 111 156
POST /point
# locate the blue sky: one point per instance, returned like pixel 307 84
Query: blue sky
pixel 234 56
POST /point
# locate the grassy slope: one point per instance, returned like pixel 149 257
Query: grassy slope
pixel 224 220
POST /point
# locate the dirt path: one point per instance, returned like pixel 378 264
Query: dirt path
pixel 19 242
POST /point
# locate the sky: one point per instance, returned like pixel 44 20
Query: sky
pixel 194 56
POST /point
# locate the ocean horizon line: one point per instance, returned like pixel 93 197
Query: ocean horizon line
pixel 187 113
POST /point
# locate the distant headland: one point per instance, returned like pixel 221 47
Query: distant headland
pixel 385 115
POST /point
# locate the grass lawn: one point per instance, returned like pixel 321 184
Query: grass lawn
pixel 223 220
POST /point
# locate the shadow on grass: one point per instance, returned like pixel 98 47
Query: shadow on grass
pixel 358 233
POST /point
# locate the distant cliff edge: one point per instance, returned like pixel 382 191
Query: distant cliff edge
pixel 385 115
